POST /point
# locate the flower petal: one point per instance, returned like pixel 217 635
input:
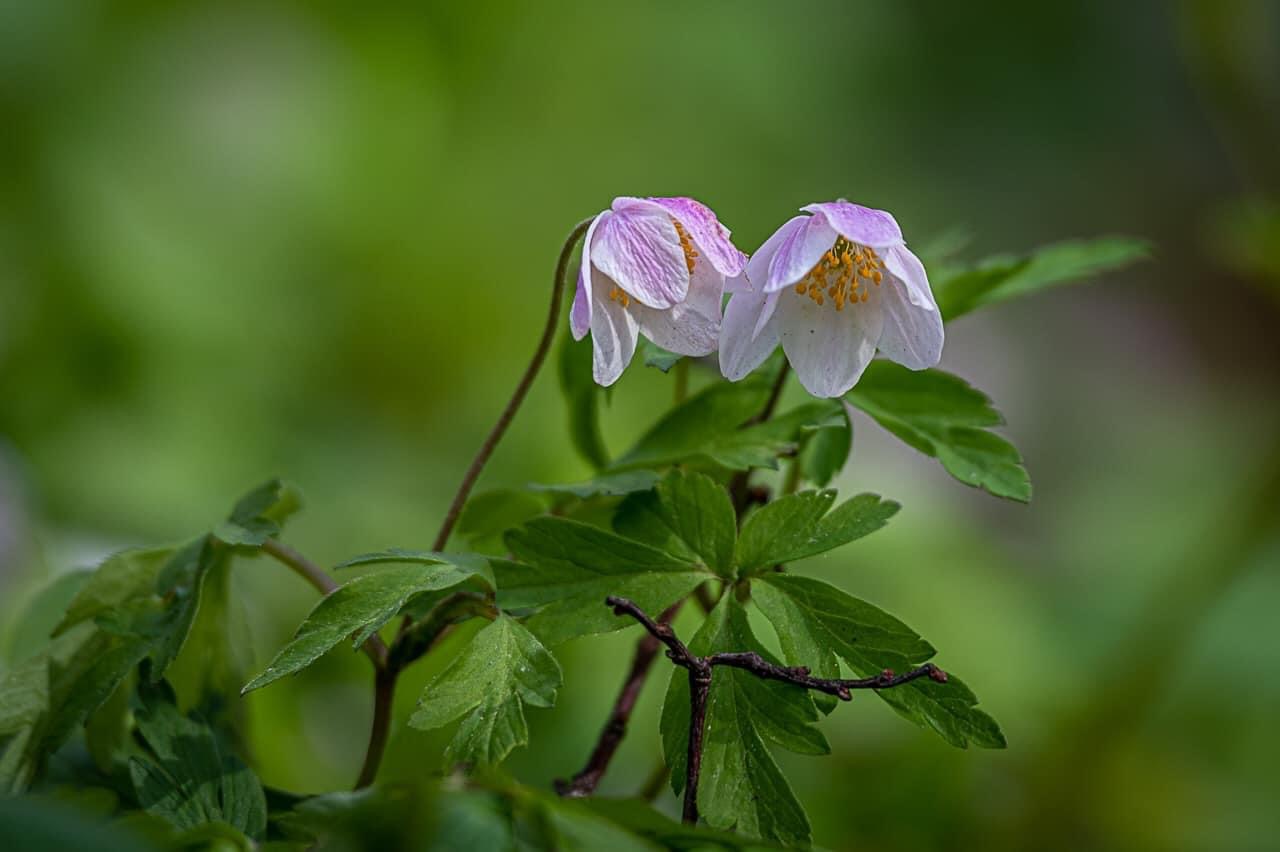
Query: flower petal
pixel 798 251
pixel 613 334
pixel 757 270
pixel 711 237
pixel 580 313
pixel 638 247
pixel 829 349
pixel 875 228
pixel 912 333
pixel 691 327
pixel 741 349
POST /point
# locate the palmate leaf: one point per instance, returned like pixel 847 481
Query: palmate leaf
pixel 943 416
pixel 688 514
pixel 798 526
pixel 488 685
pixel 740 785
pixel 360 607
pixel 259 514
pixel 1000 278
pixel 815 622
pixel 186 776
pixel 567 569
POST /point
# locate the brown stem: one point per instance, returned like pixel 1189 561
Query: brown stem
pixel 384 693
pixel 701 670
pixel 522 390
pixel 615 729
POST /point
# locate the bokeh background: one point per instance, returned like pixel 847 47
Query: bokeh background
pixel 314 240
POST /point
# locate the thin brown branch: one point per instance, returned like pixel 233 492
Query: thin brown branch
pixel 517 397
pixel 615 729
pixel 701 670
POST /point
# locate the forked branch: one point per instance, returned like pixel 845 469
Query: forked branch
pixel 701 670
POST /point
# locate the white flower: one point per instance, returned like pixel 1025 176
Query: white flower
pixel 832 288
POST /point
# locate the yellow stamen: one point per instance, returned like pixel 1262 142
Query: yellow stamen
pixel 686 243
pixel 843 274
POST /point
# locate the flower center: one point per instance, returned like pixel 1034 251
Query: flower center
pixel 844 274
pixel 617 294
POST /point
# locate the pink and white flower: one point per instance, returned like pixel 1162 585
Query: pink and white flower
pixel 832 287
pixel 657 267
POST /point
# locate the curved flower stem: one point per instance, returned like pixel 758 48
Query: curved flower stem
pixel 522 390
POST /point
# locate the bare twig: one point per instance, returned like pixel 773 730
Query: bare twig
pixel 701 670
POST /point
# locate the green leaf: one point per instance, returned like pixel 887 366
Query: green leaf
pixel 36 619
pixel 358 608
pixel 488 685
pixel 1000 278
pixel 942 416
pixel 46 698
pixel 605 485
pixel 48 824
pixel 798 526
pixel 816 621
pixel 187 777
pixel 490 514
pixel 258 515
pixel 582 401
pixel 760 445
pixel 180 585
pixel 472 566
pixel 692 429
pixel 688 514
pixel 121 578
pixel 569 568
pixel 639 818
pixel 826 449
pixel 655 356
pixel 741 787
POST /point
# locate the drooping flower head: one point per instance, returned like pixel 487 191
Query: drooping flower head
pixel 832 287
pixel 657 267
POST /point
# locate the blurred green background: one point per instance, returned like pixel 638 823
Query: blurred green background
pixel 315 240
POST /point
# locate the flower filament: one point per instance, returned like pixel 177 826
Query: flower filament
pixel 843 274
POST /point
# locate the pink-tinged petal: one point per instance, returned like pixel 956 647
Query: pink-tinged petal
pixel 875 228
pixel 580 313
pixel 638 247
pixel 912 333
pixel 757 271
pixel 693 326
pixel 737 284
pixel 710 237
pixel 829 349
pixel 798 252
pixel 766 311
pixel 741 349
pixel 613 335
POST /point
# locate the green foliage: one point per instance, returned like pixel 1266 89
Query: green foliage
pixel 259 515
pixel 798 526
pixel 605 485
pixel 654 355
pixel 741 786
pixel 569 568
pixel 503 669
pixel 693 430
pixel 582 401
pixel 815 622
pixel 360 607
pixel 186 776
pixel 491 513
pixel 942 416
pixel 1005 277
pixel 826 449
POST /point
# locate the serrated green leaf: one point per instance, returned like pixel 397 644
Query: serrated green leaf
pixel 741 786
pixel 488 685
pixel 180 585
pixel 36 620
pixel 120 578
pixel 815 621
pixel 473 566
pixel 692 429
pixel 582 401
pixel 605 485
pixel 798 526
pixel 688 514
pixel 358 608
pixel 568 569
pixel 942 416
pixel 1000 278
pixel 187 777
